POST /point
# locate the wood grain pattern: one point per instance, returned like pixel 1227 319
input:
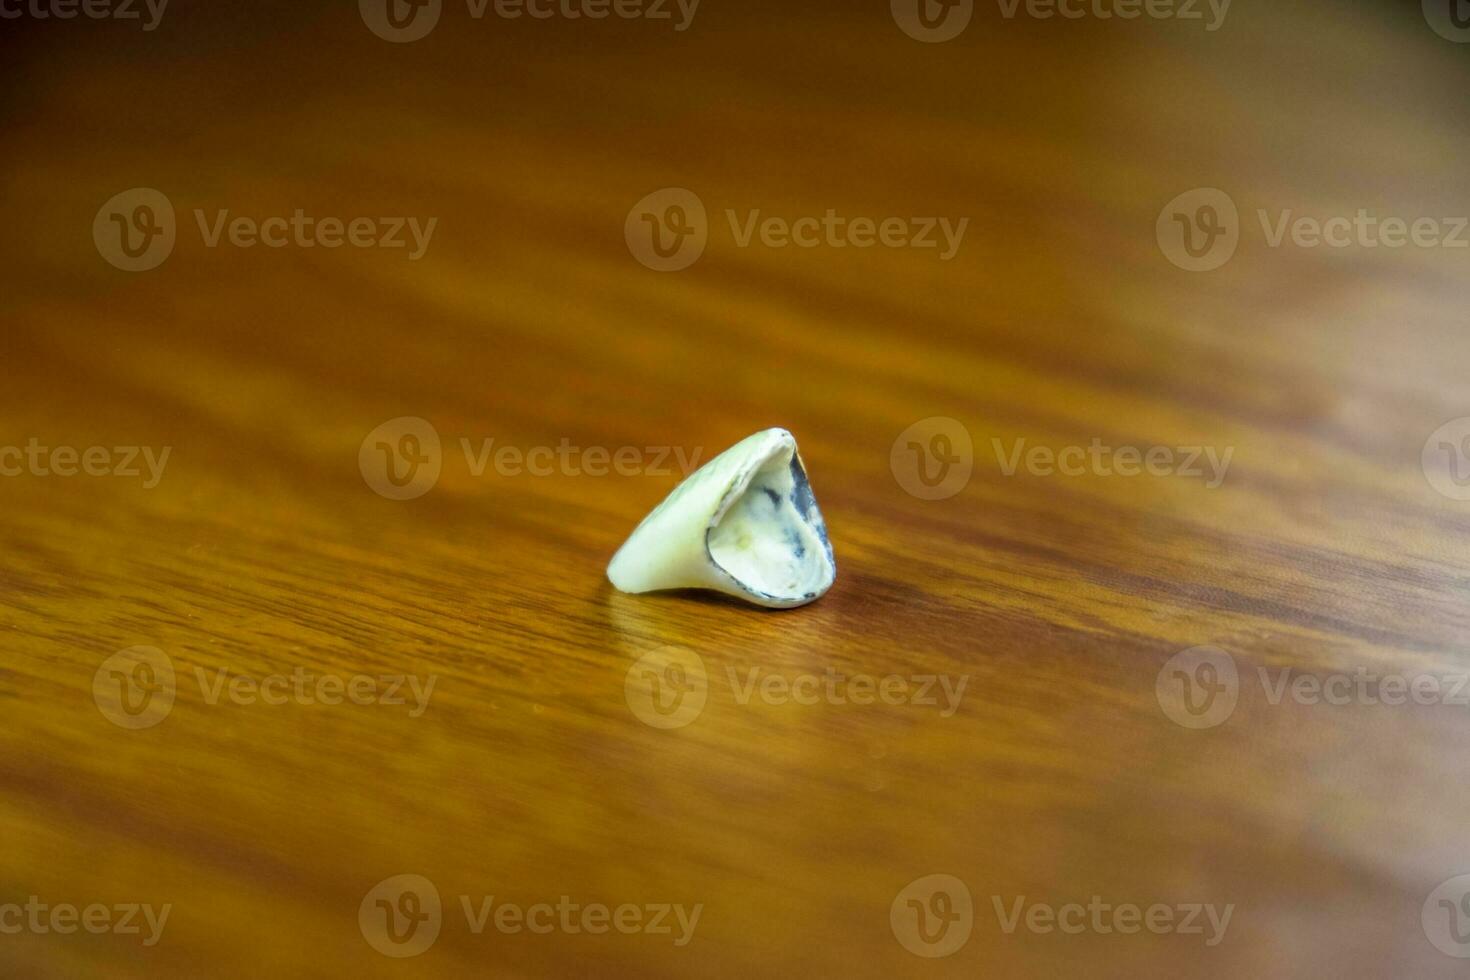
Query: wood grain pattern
pixel 1057 599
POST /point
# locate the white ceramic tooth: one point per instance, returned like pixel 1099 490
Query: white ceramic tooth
pixel 745 524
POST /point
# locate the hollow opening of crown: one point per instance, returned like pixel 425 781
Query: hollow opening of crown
pixel 771 538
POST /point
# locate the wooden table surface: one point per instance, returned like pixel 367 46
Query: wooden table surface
pixel 1089 757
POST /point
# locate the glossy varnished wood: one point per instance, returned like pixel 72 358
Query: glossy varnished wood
pixel 1058 599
